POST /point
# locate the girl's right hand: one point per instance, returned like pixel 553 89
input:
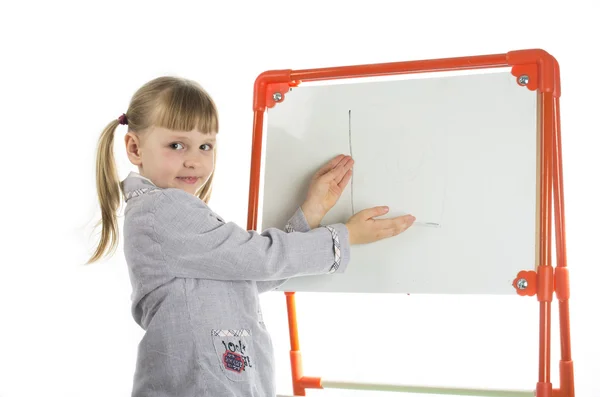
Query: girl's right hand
pixel 363 229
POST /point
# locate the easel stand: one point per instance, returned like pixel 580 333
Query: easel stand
pixel 538 71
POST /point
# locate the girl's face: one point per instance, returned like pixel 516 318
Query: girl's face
pixel 174 159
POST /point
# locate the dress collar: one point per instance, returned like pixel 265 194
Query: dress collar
pixel 136 185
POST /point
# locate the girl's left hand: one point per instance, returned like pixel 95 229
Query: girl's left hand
pixel 326 187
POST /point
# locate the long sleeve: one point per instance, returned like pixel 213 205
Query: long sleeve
pixel 195 243
pixel 297 223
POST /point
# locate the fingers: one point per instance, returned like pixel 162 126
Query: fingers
pixel 397 225
pixel 367 230
pixel 331 164
pixel 334 161
pixel 373 212
pixel 345 180
pixel 338 173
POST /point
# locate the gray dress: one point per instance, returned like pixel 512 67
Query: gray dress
pixel 195 283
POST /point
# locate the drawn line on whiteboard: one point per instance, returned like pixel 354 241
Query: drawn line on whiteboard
pixel 423 223
pixel 350 143
pixel 427 224
pixel 417 223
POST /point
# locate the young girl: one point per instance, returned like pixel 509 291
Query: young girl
pixel 195 277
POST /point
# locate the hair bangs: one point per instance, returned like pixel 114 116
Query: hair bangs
pixel 185 108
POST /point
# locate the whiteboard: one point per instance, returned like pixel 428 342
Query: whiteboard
pixel 457 152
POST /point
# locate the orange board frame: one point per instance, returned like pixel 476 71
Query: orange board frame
pixel 538 71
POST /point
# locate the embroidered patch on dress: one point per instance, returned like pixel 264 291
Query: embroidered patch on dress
pixel 234 350
pixel 233 361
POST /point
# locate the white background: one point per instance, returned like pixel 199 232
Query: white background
pixel 69 68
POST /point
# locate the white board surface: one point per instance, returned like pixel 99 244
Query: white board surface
pixel 458 152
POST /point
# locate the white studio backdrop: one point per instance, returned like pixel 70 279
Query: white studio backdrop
pixel 69 68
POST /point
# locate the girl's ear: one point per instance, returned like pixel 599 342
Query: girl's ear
pixel 132 145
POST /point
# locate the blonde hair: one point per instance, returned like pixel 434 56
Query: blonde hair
pixel 169 102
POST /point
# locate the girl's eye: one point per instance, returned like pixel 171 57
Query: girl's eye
pixel 205 147
pixel 174 145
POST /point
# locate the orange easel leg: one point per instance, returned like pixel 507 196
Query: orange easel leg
pixel 300 383
pixel 567 386
pixel 545 272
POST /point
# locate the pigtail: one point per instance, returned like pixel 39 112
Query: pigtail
pixel 109 193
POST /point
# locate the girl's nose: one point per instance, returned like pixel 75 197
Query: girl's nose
pixel 191 163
